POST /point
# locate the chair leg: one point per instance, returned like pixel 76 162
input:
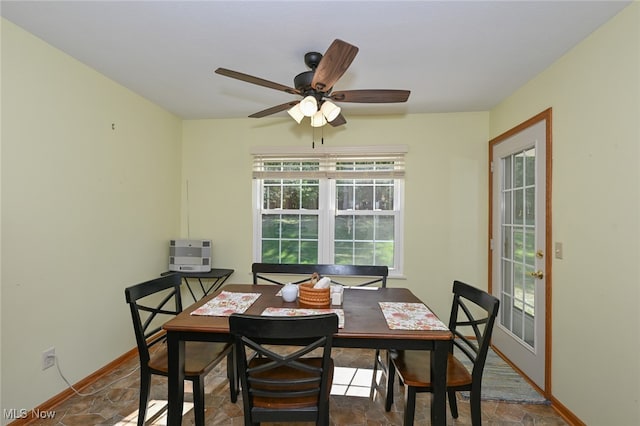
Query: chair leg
pixel 374 382
pixel 323 418
pixel 453 403
pixel 474 401
pixel 377 361
pixel 145 390
pixel 198 400
pixel 391 374
pixel 232 376
pixel 409 405
pixel 248 422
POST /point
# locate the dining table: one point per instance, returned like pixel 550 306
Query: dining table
pixel 370 317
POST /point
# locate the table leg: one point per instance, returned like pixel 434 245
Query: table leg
pixel 215 285
pixel 175 348
pixel 186 281
pixel 439 380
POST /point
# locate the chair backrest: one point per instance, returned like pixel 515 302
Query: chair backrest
pixel 152 303
pixel 278 371
pixel 278 273
pixel 475 309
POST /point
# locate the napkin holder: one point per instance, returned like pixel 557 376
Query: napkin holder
pixel 314 297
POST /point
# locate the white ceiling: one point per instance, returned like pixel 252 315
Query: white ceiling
pixel 453 55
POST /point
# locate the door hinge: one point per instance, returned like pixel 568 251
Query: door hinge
pixel 491 166
pixel 491 244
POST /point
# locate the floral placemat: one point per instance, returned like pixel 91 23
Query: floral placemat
pixel 227 303
pixel 297 312
pixel 410 316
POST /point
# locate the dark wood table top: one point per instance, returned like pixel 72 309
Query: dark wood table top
pixel 363 317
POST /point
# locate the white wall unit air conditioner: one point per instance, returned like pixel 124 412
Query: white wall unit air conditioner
pixel 190 255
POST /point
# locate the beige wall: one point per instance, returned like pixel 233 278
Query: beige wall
pixel 86 210
pixel 595 94
pixel 445 191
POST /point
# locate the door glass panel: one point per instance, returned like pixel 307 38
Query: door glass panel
pixel 507 172
pixel 518 207
pixel 518 245
pixel 506 313
pixel 530 246
pixel 506 242
pixel 517 323
pixel 507 208
pixel 530 167
pixel 530 206
pixel 518 170
pixel 518 285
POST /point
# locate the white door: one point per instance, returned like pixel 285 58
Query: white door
pixel 519 246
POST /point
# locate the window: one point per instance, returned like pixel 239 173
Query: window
pixel 342 206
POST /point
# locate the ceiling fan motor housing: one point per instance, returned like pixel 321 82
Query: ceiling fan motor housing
pixel 312 59
pixel 302 81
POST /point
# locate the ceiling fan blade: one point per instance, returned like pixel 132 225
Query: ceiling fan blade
pixel 274 109
pixel 333 65
pixel 338 121
pixel 371 96
pixel 256 80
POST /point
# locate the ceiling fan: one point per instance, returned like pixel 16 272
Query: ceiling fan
pixel 316 87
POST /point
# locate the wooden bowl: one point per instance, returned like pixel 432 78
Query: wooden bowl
pixel 314 297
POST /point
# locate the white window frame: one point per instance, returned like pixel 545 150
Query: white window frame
pixel 327 194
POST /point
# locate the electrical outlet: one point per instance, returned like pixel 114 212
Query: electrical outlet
pixel 48 358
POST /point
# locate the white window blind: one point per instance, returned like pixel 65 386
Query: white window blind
pixel 349 163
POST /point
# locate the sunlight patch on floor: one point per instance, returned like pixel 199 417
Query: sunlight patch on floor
pixel 346 382
pixel 156 412
pixel 353 381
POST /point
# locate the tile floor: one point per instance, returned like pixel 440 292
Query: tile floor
pixel 351 404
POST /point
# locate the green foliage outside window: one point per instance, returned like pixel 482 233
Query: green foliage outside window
pixel 364 219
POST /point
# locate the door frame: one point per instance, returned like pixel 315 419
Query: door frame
pixel 544 115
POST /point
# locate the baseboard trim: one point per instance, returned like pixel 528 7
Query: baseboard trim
pixel 58 399
pixel 557 406
pixel 565 413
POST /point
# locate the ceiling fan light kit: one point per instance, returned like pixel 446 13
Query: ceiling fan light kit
pixel 318 119
pixel 316 88
pixel 309 106
pixel 330 110
pixel 296 113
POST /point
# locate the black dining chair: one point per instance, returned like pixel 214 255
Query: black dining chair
pixel 152 303
pixel 472 308
pixel 281 380
pixel 344 275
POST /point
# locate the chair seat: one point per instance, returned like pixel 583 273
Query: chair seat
pixel 413 369
pixel 200 357
pixel 288 373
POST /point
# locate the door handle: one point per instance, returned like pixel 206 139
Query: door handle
pixel 537 274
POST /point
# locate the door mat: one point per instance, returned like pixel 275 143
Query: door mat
pixel 500 382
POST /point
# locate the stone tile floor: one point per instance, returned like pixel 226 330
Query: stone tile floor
pixel 117 403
